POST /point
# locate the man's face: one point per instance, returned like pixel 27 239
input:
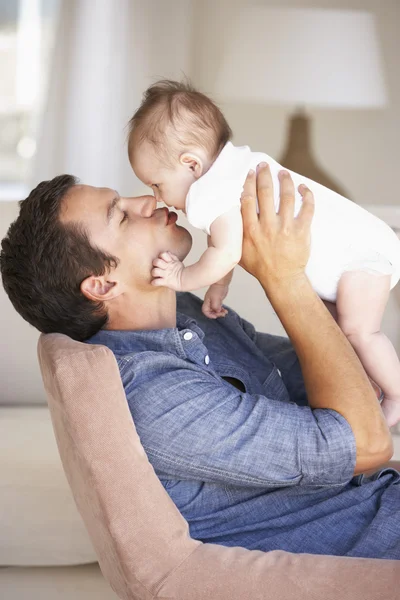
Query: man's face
pixel 131 229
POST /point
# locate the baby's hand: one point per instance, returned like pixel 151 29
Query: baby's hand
pixel 212 304
pixel 167 271
pixel 391 410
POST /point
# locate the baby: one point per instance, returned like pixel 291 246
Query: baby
pixel 179 146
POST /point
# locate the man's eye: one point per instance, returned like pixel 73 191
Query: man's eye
pixel 124 218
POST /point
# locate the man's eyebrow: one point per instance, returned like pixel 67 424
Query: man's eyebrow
pixel 111 207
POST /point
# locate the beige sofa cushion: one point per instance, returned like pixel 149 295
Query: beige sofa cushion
pixel 19 372
pixel 141 539
pixel 39 522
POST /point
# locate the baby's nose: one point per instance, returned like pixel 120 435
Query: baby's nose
pixel 157 195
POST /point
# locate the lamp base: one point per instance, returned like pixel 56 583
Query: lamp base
pixel 298 156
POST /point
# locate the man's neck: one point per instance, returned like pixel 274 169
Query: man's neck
pixel 141 311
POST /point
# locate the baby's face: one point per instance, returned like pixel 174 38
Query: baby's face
pixel 169 184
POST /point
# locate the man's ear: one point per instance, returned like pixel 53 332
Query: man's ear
pixel 99 288
pixel 193 162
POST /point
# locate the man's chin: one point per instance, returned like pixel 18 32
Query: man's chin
pixel 184 246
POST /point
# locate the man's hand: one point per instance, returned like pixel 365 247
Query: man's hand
pixel 276 246
pixel 167 271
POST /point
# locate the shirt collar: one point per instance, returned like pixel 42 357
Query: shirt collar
pixel 125 341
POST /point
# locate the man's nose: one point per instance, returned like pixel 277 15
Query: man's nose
pixel 143 205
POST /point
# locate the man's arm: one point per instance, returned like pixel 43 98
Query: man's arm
pixel 276 251
pixel 333 375
pixel 195 425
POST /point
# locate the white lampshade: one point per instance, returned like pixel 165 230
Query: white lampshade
pixel 305 56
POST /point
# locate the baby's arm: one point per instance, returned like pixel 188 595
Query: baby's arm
pixel 226 279
pixel 222 255
pixel 215 295
pixel 216 262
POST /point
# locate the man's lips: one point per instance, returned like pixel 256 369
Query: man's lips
pixel 171 217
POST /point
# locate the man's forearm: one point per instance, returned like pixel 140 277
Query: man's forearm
pixel 333 375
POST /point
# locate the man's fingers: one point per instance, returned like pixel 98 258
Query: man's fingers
pixel 248 201
pixel 249 186
pixel 287 196
pixel 306 211
pixel 265 194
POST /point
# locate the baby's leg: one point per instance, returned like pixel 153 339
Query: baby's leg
pixel 331 306
pixel 360 304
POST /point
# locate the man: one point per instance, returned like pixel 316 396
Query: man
pixel 213 400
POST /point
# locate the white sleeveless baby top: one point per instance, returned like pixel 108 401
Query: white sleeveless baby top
pixel 344 236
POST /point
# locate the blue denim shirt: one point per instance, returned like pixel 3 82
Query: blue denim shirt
pixel 256 468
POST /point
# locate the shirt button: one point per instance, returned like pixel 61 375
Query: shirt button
pixel 187 336
pixel 207 359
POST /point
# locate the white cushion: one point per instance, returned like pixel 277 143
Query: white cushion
pixel 20 378
pixel 39 522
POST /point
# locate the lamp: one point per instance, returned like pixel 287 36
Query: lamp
pixel 302 58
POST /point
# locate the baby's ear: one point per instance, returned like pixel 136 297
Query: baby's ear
pixel 193 162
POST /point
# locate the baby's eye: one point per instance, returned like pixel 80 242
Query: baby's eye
pixel 156 185
pixel 124 218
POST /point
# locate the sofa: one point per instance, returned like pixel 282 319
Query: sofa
pixel 45 550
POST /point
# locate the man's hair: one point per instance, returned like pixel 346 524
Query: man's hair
pixel 44 261
pixel 174 116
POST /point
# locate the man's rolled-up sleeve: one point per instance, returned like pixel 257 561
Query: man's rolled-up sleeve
pixel 195 426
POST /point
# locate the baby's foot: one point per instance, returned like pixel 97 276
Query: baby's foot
pixel 391 410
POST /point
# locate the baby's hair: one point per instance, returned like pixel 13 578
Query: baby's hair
pixel 174 117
